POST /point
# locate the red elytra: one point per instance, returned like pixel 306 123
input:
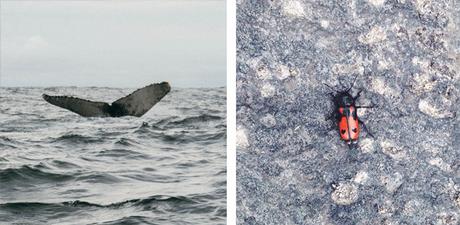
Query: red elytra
pixel 348 124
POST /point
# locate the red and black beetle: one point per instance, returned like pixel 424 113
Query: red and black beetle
pixel 346 115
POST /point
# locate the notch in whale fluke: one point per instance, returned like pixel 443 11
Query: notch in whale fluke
pixel 135 104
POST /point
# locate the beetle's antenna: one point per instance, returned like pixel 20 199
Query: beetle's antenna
pixel 352 84
pixel 330 87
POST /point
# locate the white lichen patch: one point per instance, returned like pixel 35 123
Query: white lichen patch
pixel 377 3
pixel 324 24
pixel 379 86
pixel 267 90
pixel 361 177
pixel 366 145
pixel 427 108
pixel 326 43
pixel 435 110
pixel 286 176
pixel 439 162
pixel 432 148
pixel 345 194
pixel 283 72
pixel 364 111
pixel 375 35
pixel 293 8
pixel 348 69
pixel 253 63
pixel 384 64
pixel 391 149
pixel 422 63
pixel 241 138
pixel 422 83
pixel 386 208
pixel 262 72
pixel 423 6
pixel 268 120
pixel 392 182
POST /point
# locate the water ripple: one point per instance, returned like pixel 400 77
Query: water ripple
pixel 60 168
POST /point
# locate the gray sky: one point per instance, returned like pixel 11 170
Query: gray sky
pixel 113 43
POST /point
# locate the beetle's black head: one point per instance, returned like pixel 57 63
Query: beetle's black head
pixel 344 99
pixel 352 144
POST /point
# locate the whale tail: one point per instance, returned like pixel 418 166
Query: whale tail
pixel 135 104
pixel 80 106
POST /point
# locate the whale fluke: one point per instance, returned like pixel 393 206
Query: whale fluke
pixel 80 106
pixel 135 104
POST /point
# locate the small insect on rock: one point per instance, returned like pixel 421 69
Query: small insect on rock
pixel 346 115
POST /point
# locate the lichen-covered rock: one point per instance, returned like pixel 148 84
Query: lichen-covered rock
pixel 361 177
pixel 367 145
pixel 267 90
pixel 268 120
pixel 439 162
pixel 345 194
pixel 375 35
pixel 291 162
pixel 436 107
pixel 394 151
pixel 392 182
pixel 241 138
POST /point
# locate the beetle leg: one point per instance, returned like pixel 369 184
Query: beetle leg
pixel 365 128
pixel 358 95
pixel 364 106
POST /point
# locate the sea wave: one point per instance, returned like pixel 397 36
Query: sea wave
pixel 60 168
pixel 196 119
pixel 159 204
pixel 77 139
pixel 140 202
pixel 28 175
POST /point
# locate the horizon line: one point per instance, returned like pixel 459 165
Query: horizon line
pixel 100 86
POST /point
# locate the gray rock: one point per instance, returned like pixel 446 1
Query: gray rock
pixel 291 166
pixel 345 194
pixel 268 120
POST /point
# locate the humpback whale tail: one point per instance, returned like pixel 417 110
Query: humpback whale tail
pixel 134 104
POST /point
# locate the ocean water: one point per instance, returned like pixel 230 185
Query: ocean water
pixel 167 167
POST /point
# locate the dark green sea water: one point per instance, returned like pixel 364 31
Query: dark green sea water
pixel 167 167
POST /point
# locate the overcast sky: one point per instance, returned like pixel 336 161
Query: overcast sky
pixel 113 43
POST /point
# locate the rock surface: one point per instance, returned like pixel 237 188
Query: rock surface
pixel 291 166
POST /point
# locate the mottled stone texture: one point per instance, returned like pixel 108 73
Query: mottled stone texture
pixel 292 167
